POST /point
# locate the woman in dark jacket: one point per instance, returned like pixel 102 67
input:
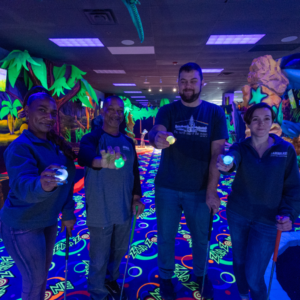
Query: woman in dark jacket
pixel 37 196
pixel 265 197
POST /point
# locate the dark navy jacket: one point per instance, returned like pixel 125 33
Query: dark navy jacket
pixel 267 186
pixel 27 205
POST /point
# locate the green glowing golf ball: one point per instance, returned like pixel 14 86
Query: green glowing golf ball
pixel 119 163
pixel 171 139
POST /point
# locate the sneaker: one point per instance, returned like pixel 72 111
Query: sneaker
pixel 208 292
pixel 115 290
pixel 166 289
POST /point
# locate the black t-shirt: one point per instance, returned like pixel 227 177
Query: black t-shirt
pixel 184 165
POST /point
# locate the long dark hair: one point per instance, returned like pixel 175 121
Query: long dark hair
pixel 40 92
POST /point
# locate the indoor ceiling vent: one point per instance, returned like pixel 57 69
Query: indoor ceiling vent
pixel 276 47
pixel 100 16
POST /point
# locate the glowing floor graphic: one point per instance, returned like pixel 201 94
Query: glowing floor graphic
pixel 142 281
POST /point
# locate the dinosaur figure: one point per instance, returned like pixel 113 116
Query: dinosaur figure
pixel 131 6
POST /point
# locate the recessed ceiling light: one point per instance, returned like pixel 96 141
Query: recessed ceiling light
pixel 238 92
pixel 145 100
pixel 132 50
pixel 132 92
pixel 160 90
pixel 149 90
pixel 178 97
pixel 110 71
pixel 174 90
pixel 212 70
pixel 234 39
pixel 127 42
pixel 289 39
pixel 77 42
pixel 124 84
pixel 138 97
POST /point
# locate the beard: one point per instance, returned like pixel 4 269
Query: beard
pixel 189 99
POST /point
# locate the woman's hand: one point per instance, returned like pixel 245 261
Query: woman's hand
pixel 69 225
pixel 221 166
pixel 283 223
pixel 48 179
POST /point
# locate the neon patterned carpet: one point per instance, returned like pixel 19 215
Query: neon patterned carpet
pixel 142 278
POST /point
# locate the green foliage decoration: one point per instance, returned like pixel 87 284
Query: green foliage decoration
pixel 9 107
pixel 14 62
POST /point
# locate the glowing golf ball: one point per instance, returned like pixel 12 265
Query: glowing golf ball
pixel 171 139
pixel 119 163
pixel 227 160
pixel 63 176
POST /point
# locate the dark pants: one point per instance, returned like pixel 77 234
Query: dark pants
pixel 252 247
pixel 169 205
pixel 108 245
pixel 32 251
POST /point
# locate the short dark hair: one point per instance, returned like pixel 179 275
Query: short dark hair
pixel 249 113
pixel 190 67
pixel 107 99
pixel 34 93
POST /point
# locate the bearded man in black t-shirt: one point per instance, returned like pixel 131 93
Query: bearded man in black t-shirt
pixel 187 177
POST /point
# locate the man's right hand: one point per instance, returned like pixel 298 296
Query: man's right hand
pixel 160 139
pixel 108 158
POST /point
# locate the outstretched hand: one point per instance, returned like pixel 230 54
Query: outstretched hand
pixel 160 140
pixel 48 179
pixel 221 166
pixel 108 158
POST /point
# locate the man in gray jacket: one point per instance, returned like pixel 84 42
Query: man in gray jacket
pixel 111 197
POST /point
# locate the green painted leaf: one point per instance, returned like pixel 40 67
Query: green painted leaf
pixel 17 103
pixel 40 72
pixel 22 58
pixel 85 100
pixel 13 74
pixel 76 74
pixel 82 96
pixel 5 64
pixel 26 77
pixel 59 72
pixel 90 90
pixel 7 103
pixel 28 58
pixel 12 55
pixel 59 86
pixel 4 112
pixel 163 102
pixel 14 112
pixel 30 83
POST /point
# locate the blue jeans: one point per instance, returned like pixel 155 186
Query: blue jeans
pixel 32 251
pixel 169 205
pixel 108 245
pixel 252 247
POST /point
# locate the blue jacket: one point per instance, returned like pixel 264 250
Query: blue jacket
pixel 28 206
pixel 267 186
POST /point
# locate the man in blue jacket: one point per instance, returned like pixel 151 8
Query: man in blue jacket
pixel 111 197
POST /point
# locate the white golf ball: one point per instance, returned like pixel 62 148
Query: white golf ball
pixel 64 174
pixel 227 160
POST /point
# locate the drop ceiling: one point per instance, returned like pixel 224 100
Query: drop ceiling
pixel 177 30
